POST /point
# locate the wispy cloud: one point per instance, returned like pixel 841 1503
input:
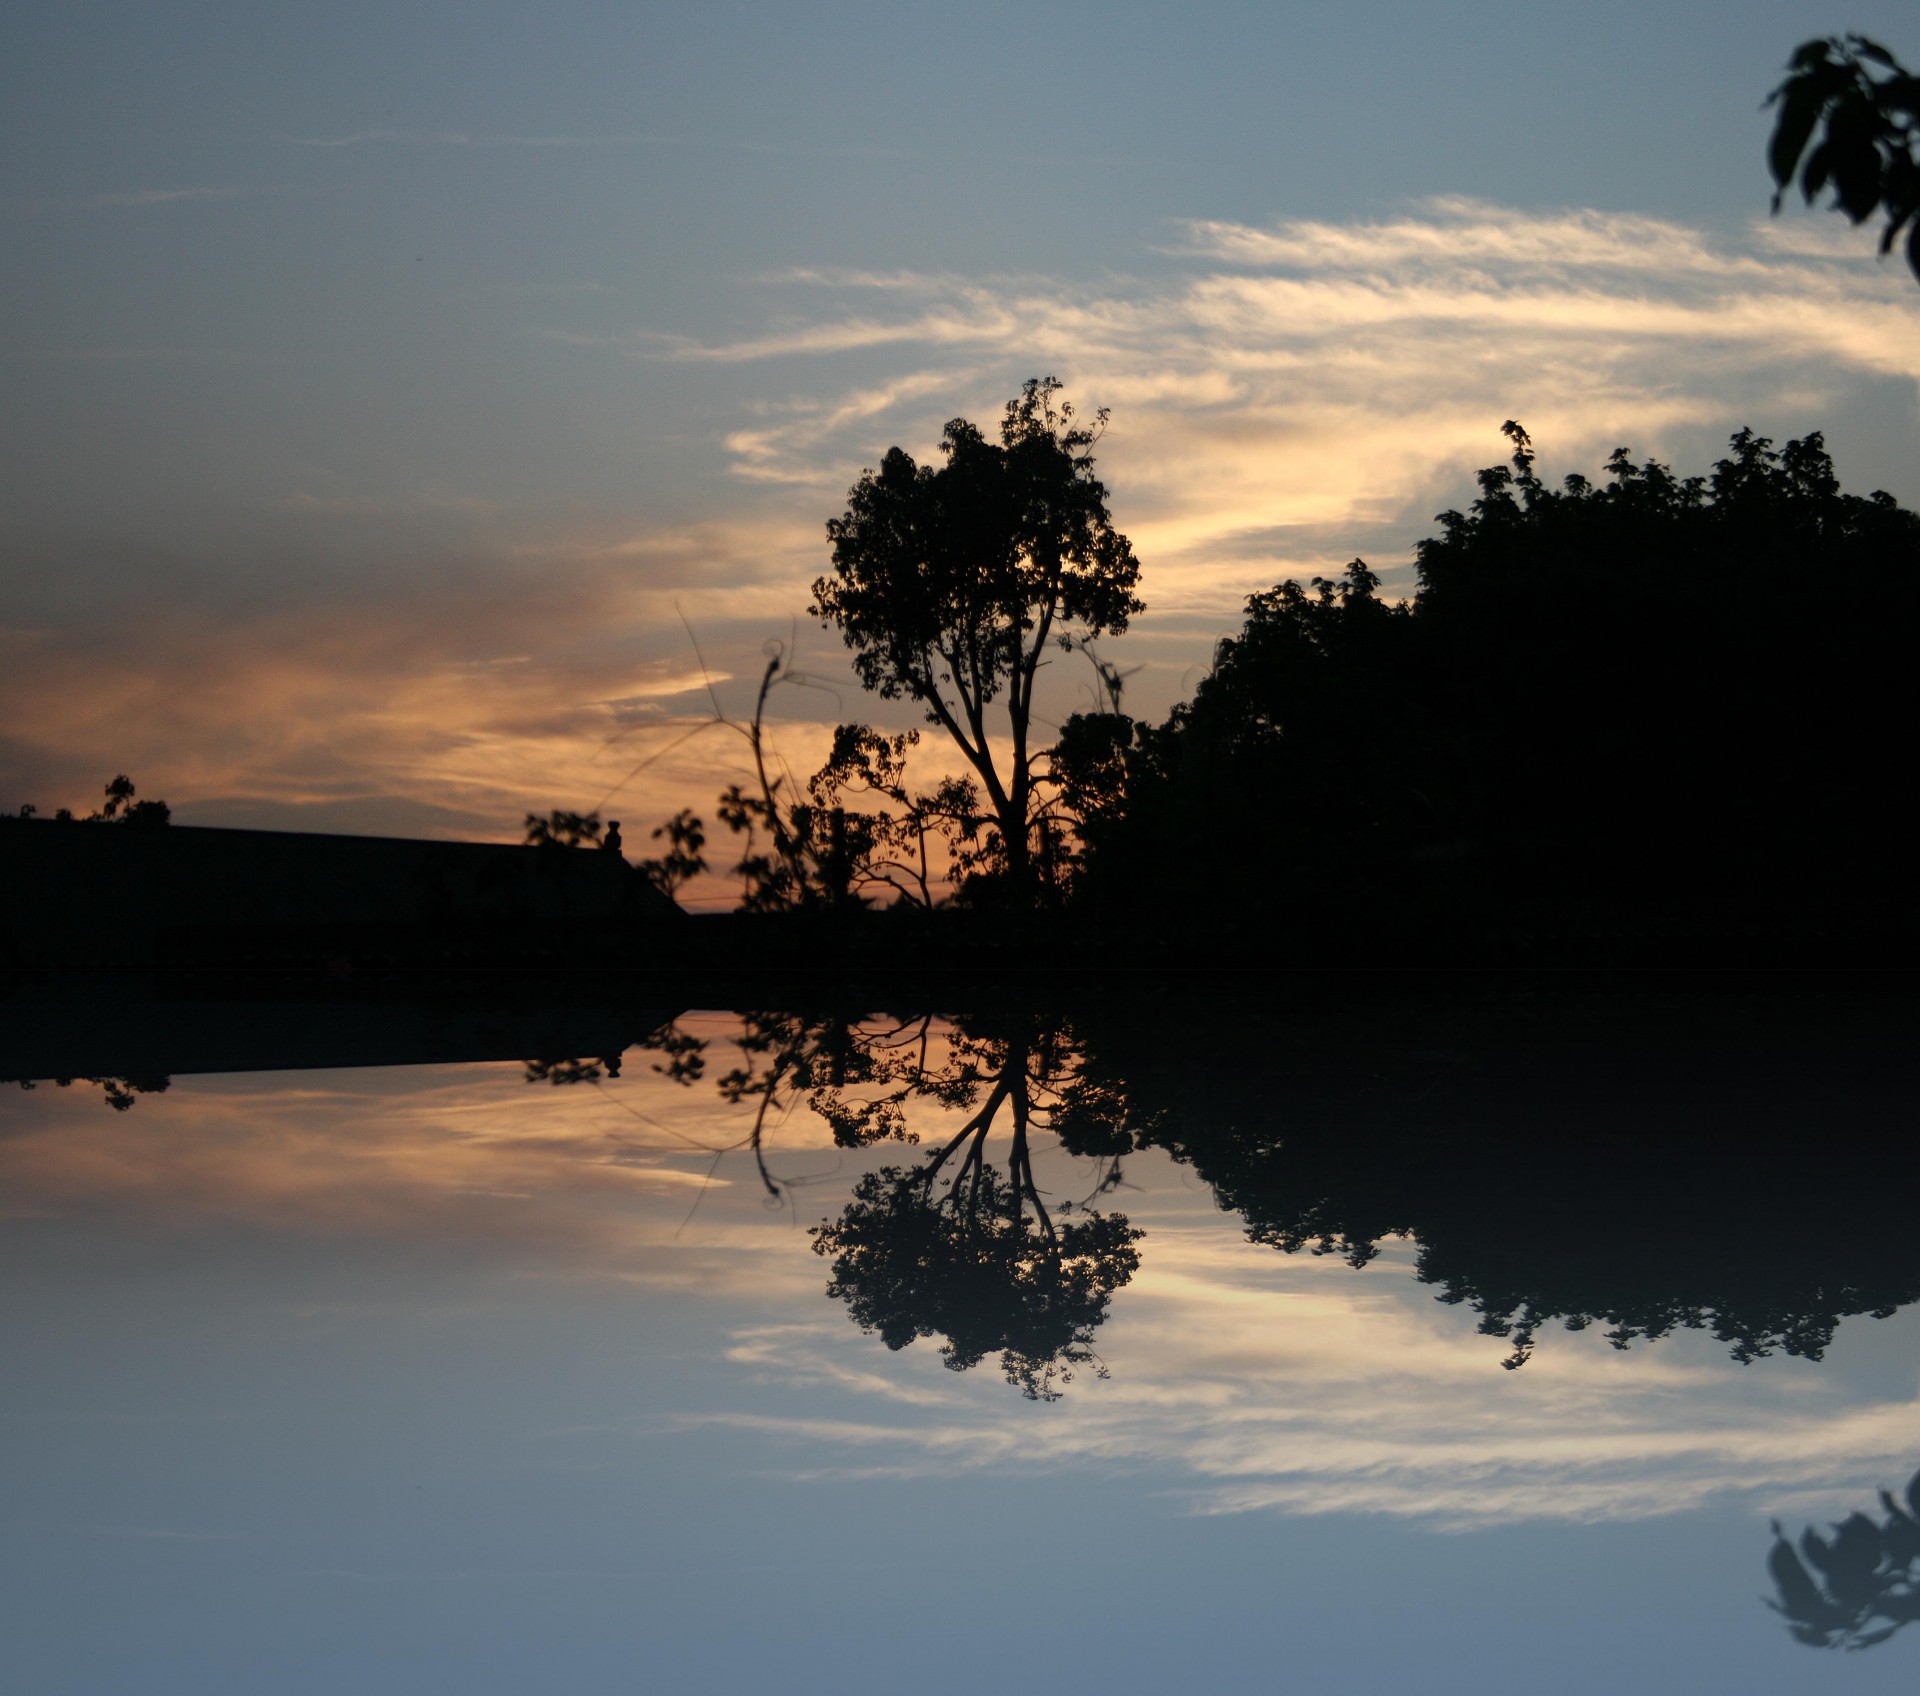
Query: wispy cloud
pixel 1284 397
pixel 136 197
pixel 1293 391
pixel 1249 1381
pixel 1457 231
pixel 461 138
pixel 1243 1380
pixel 486 139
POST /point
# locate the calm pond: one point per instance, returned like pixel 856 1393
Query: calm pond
pixel 1360 1337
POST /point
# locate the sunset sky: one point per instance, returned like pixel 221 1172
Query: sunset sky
pixel 396 393
pixel 431 1379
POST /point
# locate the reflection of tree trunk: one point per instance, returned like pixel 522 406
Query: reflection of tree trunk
pixel 1014 1085
pixel 757 1140
pixel 947 1247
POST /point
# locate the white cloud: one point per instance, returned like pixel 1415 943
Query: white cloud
pixel 1251 1381
pixel 1291 389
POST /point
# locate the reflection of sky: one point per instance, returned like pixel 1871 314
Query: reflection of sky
pixel 432 1379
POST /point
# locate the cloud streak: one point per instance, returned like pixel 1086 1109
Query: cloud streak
pixel 1291 389
pixel 139 197
pixel 1284 397
pixel 1254 1382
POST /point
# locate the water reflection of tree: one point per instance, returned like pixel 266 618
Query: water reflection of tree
pixel 1856 1587
pixel 962 1245
pixel 117 1092
pixel 1637 1165
pixel 953 1247
pixel 1634 1165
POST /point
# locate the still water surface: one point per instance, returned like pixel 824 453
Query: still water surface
pixel 515 1377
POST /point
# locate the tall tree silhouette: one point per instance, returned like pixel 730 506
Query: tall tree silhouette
pixel 951 582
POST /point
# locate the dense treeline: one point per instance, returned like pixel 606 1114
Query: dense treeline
pixel 1653 705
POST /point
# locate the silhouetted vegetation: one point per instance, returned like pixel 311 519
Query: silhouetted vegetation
pixel 117 807
pixel 1641 1168
pixel 118 1093
pixel 684 859
pixel 1655 705
pixel 951 1247
pixel 951 583
pixel 1858 1586
pixel 1848 117
pixel 562 829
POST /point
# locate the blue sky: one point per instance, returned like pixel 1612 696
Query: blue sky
pixel 391 386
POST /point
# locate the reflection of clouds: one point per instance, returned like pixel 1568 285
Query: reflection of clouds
pixel 579 1180
pixel 1243 1379
pixel 1262 1382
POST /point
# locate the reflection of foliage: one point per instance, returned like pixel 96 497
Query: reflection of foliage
pixel 980 1260
pixel 1834 1590
pixel 684 1054
pixel 571 1071
pixel 118 1092
pixel 1635 1169
pixel 974 1266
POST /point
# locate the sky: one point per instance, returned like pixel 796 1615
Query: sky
pixel 420 414
pixel 430 1378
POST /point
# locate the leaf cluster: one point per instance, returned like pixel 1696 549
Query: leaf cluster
pixel 561 829
pixel 944 575
pixel 686 838
pixel 1848 112
pixel 974 1268
pixel 1857 1586
pixel 953 581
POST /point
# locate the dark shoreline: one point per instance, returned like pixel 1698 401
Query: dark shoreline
pixel 143 1023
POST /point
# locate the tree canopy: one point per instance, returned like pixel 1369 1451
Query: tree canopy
pixel 952 581
pixel 1654 704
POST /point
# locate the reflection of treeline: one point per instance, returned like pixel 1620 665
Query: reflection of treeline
pixel 118 1093
pixel 1640 1163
